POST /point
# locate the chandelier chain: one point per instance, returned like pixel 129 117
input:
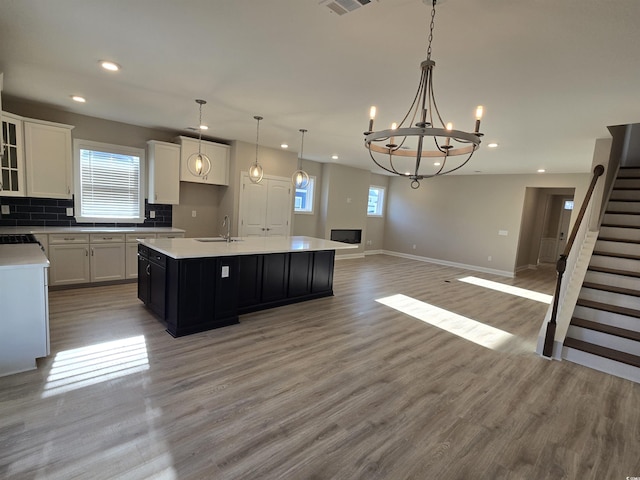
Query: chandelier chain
pixel 433 16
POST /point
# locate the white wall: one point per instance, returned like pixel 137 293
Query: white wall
pixel 457 218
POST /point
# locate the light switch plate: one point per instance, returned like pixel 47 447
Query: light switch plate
pixel 225 271
pixel 503 233
pixel 69 211
pixel 6 210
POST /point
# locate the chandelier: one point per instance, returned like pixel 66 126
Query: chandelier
pixel 255 169
pixel 300 178
pixel 428 140
pixel 198 163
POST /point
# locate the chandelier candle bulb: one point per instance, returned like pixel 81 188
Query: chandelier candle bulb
pixel 394 126
pixel 448 140
pixel 372 116
pixel 479 112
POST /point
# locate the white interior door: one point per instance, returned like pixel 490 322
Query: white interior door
pixel 253 204
pixel 265 207
pixel 278 208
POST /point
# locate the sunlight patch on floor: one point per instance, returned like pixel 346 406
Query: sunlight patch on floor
pixel 467 328
pixel 520 292
pixel 81 367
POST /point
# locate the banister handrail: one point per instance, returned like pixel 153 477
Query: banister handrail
pixel 561 264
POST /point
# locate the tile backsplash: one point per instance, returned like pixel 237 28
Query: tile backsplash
pixel 52 212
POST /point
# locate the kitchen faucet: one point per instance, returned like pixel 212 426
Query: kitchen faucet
pixel 227 223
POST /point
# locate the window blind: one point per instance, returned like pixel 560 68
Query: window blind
pixel 109 185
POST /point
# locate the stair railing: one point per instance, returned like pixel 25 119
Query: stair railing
pixel 561 264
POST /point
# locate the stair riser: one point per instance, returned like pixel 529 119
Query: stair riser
pixel 622 219
pixel 610 298
pixel 602 364
pixel 627 183
pixel 618 247
pixel 625 195
pixel 632 207
pixel 604 340
pixel 616 263
pixel 629 172
pixel 607 318
pixel 625 234
pixel 632 283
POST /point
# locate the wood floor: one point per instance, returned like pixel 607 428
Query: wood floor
pixel 337 388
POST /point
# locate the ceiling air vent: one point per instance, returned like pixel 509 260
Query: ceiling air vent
pixel 344 6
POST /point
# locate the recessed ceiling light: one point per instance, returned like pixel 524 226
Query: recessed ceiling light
pixel 437 164
pixel 541 170
pixel 334 157
pixel 284 145
pixel 112 67
pixel 204 127
pixel 78 98
pixel 492 145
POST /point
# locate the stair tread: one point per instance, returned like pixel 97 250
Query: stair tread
pixel 630 312
pixel 615 225
pixel 614 271
pixel 605 352
pixel 611 288
pixel 622 240
pixel 616 255
pixel 609 329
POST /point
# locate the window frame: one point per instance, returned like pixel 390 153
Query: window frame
pixel 380 208
pixel 79 144
pixel 311 211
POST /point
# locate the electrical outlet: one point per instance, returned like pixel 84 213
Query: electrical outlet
pixel 152 214
pixel 6 210
pixel 489 258
pixel 193 213
pixel 69 211
pixel 414 246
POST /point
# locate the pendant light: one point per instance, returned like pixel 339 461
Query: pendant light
pixel 198 163
pixel 255 169
pixel 300 178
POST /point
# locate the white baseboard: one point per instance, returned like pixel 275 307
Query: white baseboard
pixel 349 256
pixel 475 268
pixel 373 252
pixel 526 267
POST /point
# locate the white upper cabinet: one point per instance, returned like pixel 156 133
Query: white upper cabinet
pixel 49 159
pixel 218 155
pixel 164 172
pixel 12 158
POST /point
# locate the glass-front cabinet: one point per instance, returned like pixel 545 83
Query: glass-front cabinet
pixel 12 162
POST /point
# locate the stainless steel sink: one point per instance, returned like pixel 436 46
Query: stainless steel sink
pixel 217 239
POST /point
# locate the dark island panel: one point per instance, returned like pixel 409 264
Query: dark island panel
pixel 196 294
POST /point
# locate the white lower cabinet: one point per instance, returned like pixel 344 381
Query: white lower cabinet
pixel 107 257
pixel 69 263
pixel 94 258
pixel 131 253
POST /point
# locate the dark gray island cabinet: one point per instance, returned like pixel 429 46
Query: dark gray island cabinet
pixel 208 286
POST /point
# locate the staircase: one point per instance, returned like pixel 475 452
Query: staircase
pixel 604 333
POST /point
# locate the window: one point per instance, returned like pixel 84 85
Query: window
pixel 108 182
pixel 303 202
pixel 568 204
pixel 375 207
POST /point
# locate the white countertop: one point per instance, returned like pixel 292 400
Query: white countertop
pixel 192 248
pixel 81 229
pixel 22 255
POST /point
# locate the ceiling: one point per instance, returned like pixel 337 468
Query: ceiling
pixel 551 74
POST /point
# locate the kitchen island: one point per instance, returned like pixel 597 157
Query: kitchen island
pixel 197 284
